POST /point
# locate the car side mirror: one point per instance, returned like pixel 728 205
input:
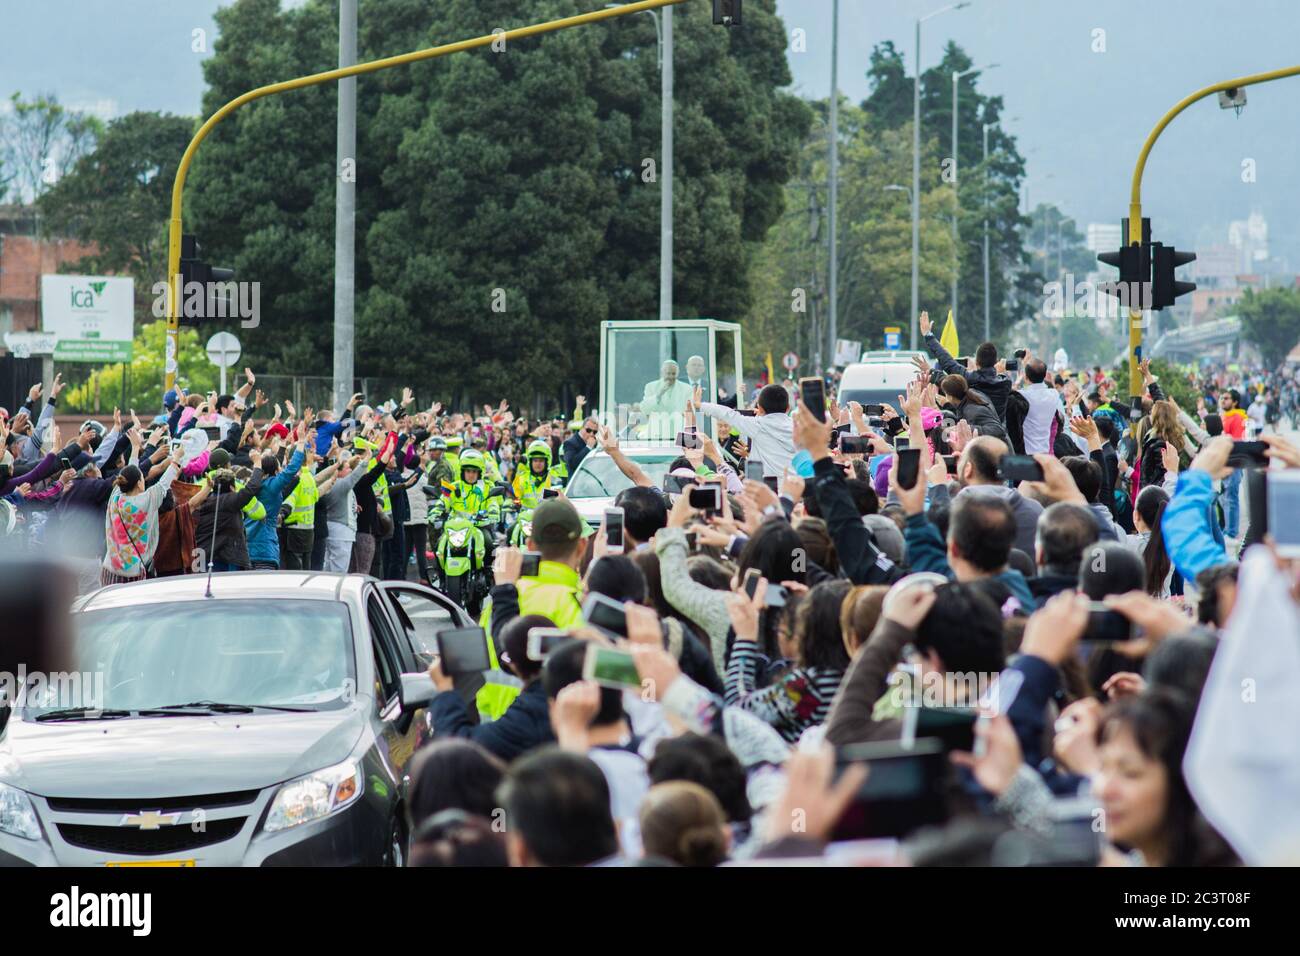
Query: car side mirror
pixel 416 691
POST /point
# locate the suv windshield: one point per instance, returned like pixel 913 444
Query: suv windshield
pixel 284 653
pixel 598 476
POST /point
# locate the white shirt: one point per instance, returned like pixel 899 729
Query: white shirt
pixel 625 772
pixel 1044 403
pixel 1256 413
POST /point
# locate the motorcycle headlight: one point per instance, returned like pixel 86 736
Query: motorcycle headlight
pixel 457 538
pixel 17 815
pixel 314 796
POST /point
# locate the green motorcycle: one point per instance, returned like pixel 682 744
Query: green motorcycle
pixel 466 543
pixel 521 528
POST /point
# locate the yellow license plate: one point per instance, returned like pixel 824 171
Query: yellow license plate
pixel 151 863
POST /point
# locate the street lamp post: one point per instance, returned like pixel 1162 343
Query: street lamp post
pixel 664 36
pixel 896 188
pixel 834 277
pixel 956 200
pixel 987 334
pixel 916 163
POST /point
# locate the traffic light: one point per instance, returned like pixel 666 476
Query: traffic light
pixel 196 303
pixel 726 13
pixel 1164 287
pixel 1134 263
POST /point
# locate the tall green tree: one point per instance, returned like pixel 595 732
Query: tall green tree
pixel 1271 320
pixel 119 196
pixel 982 190
pixel 102 388
pixel 874 248
pixel 506 205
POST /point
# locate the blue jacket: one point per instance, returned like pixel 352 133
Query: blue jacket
pixel 525 724
pixel 263 543
pixel 328 431
pixel 1192 535
pixel 926 552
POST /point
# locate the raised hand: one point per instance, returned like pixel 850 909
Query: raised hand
pixel 924 324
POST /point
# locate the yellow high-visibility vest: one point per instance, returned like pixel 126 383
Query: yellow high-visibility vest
pixel 303 501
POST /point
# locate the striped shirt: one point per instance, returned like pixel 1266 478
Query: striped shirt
pixel 797 700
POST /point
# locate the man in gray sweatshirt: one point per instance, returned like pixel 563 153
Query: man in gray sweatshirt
pixel 341 516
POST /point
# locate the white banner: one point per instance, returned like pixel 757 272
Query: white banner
pixel 93 316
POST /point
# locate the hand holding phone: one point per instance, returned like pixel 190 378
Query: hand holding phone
pixel 463 650
pixel 542 641
pixel 1248 454
pixel 812 394
pixel 605 613
pixel 706 498
pixel 1018 468
pixel 909 467
pixel 610 667
pixel 614 530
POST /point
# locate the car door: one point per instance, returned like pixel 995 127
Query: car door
pixel 393 657
pixel 423 612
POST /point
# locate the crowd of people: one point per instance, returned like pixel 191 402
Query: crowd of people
pixel 981 669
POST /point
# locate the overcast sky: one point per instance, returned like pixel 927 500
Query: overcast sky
pixel 1082 115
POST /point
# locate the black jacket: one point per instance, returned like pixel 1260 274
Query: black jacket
pixel 525 724
pixel 574 450
pixel 860 560
pixel 993 384
pixel 1049 585
pixel 982 417
pixel 225 511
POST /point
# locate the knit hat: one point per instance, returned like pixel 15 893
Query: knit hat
pixel 277 429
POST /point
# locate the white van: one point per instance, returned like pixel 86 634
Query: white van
pixel 879 380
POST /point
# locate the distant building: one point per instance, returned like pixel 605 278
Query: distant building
pixel 1209 304
pixel 24 258
pixel 1216 267
pixel 1249 237
pixel 1103 237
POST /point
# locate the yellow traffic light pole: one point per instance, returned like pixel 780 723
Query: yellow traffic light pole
pixel 178 188
pixel 1135 196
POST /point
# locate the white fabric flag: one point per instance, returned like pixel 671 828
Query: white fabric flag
pixel 1243 759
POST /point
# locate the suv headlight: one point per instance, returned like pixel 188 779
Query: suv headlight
pixel 17 815
pixel 314 795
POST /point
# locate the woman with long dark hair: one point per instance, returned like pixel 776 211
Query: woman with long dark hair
pixel 801 697
pixel 1149 541
pixel 972 406
pixel 1149 810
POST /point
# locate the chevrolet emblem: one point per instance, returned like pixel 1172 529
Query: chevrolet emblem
pixel 150 820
